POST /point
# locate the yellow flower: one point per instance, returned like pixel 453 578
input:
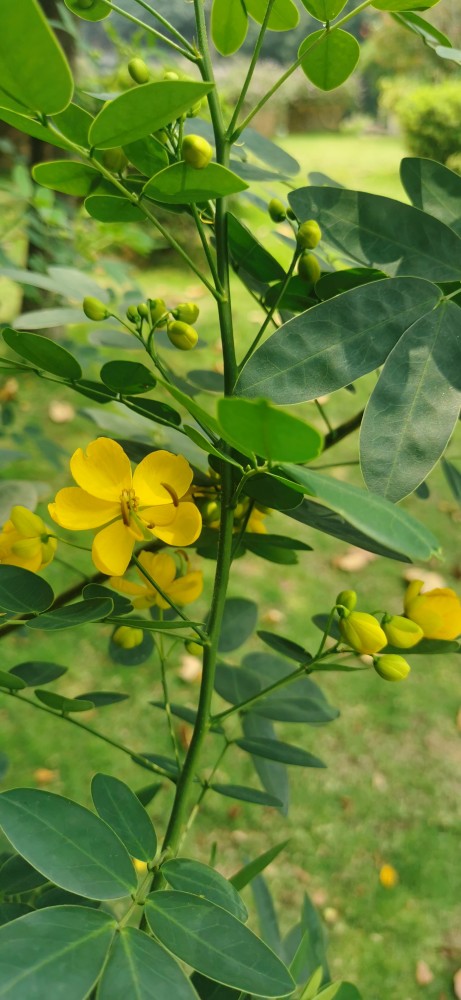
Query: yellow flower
pixel 162 569
pixel 437 612
pixel 362 632
pixel 391 667
pixel 388 877
pixel 153 501
pixel 128 637
pixel 25 541
pixel 402 632
pixel 255 522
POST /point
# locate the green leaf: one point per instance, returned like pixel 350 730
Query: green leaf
pixel 274 548
pixel 337 341
pixel 182 184
pixel 119 807
pixel 239 622
pixel 17 876
pixel 380 232
pixel 429 647
pixel 44 353
pixel 297 296
pixel 38 672
pixel 61 704
pixel 267 916
pixel 147 155
pixel 33 67
pixel 160 413
pixel 39 319
pixel 329 57
pixel 22 592
pixel 102 698
pixel 136 655
pixel 64 946
pixel 113 208
pixel 11 682
pixel 433 188
pixel 74 123
pixel 324 520
pixel 271 493
pixel 250 255
pixel 67 176
pixel 284 14
pixel 216 944
pixel 269 152
pixel 340 991
pixel 414 408
pixel 246 874
pixel 292 650
pixel 312 932
pixel 243 794
pixel 236 684
pixel 374 516
pixel 138 967
pixel 60 897
pixel 30 126
pixel 209 990
pixel 269 433
pixel 419 26
pixel 127 377
pixel 336 282
pixel 151 626
pixel 67 843
pixel 192 407
pixel 324 10
pixel 79 613
pixel 273 775
pixel 11 911
pixel 300 701
pixel 229 25
pixel 283 752
pixel 142 110
pixel 122 605
pixel 453 478
pixel 96 12
pixel 396 5
pixel 187 875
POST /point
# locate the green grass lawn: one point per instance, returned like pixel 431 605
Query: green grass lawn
pixel 390 793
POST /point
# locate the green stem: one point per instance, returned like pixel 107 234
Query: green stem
pixel 261 694
pixel 166 24
pixel 166 698
pixel 324 416
pixel 206 246
pixel 202 635
pixel 270 314
pixel 251 68
pixel 206 788
pixel 187 53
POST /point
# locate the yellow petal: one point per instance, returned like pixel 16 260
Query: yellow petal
pixel 103 470
pixel 186 588
pixel 112 549
pixel 411 592
pixel 75 509
pixel 124 586
pixel 158 471
pixel 24 560
pixel 48 551
pixel 26 522
pixel 161 567
pixel 27 548
pixel 164 514
pixel 185 528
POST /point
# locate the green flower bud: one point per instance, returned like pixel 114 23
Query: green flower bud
pixel 157 309
pixel 347 599
pixel 182 335
pixel 94 309
pixel 194 110
pixel 193 648
pixel 115 159
pixel 162 136
pixel 391 667
pixel 291 215
pixel 362 632
pixel 170 75
pixel 309 268
pixel 211 512
pixel 132 314
pixel 401 631
pixel 277 210
pixel 138 70
pixel 127 637
pixel 309 235
pixel 187 312
pixel 196 151
pixel 143 310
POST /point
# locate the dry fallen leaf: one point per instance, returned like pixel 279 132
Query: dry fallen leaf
pixel 60 412
pixel 190 669
pixel 423 974
pixel 457 984
pixel 43 776
pixel 273 617
pixel 429 578
pixel 185 735
pixel 353 560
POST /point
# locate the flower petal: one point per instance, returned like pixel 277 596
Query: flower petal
pixel 123 586
pixel 103 470
pixel 26 522
pixel 186 588
pixel 112 549
pixel 75 509
pixel 158 470
pixel 160 566
pixel 184 529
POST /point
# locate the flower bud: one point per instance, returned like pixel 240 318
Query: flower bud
pixel 143 310
pixel 187 312
pixel 291 215
pixel 277 210
pixel 162 136
pixel 170 75
pixel 347 599
pixel 94 309
pixel 196 151
pixel 211 512
pixel 140 866
pixel 157 309
pixel 182 335
pixel 194 110
pixel 132 314
pixel 309 235
pixel 309 268
pixel 115 159
pixel 127 637
pixel 402 632
pixel 362 632
pixel 138 70
pixel 391 667
pixel 193 648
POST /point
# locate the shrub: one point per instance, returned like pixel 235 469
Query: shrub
pixel 430 117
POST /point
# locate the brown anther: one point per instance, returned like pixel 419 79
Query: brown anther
pixel 172 493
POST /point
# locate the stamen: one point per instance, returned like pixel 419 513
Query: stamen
pixel 173 495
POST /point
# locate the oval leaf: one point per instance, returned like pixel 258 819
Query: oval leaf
pixel 329 57
pixel 244 794
pixel 139 967
pixel 97 12
pixel 79 613
pixel 119 807
pixel 64 705
pixel 127 377
pixel 113 208
pixel 249 255
pixel 38 672
pixel 324 10
pixel 67 176
pixel 229 25
pixel 33 67
pixel 182 184
pixel 269 433
pixel 433 188
pixel 283 752
pixel 283 17
pixel 23 592
pixel 215 943
pixel 43 353
pixel 142 110
pixel 67 843
pixel 193 876
pixel 239 622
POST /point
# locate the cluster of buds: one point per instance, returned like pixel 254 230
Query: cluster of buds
pixel 155 312
pixel 307 238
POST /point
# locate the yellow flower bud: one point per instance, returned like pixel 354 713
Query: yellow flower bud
pixel 157 309
pixel 309 235
pixel 187 312
pixel 309 268
pixel 347 599
pixel 182 335
pixel 127 637
pixel 437 612
pixel 391 667
pixel 138 70
pixel 193 648
pixel 170 75
pixel 362 632
pixel 277 210
pixel 115 159
pixel 94 309
pixel 211 512
pixel 402 632
pixel 196 151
